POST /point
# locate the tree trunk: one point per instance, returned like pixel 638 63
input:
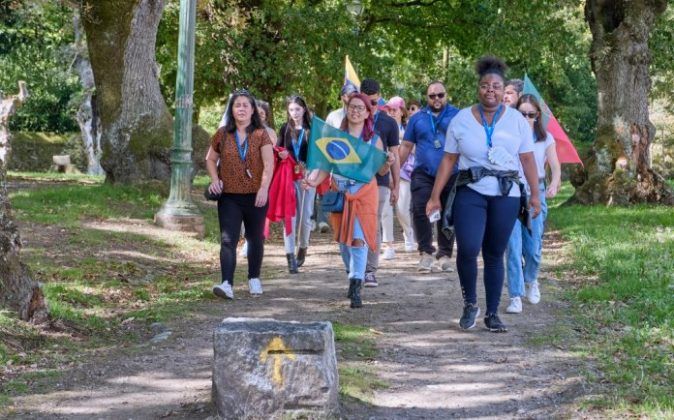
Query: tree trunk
pixel 618 171
pixel 18 291
pixel 136 125
pixel 87 115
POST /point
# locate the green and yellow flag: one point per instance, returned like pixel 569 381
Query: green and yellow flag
pixel 336 151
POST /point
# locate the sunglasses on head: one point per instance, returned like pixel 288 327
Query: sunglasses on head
pixel 436 95
pixel 530 115
pixel 241 92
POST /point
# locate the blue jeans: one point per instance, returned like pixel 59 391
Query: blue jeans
pixel 528 247
pixel 482 222
pixel 354 257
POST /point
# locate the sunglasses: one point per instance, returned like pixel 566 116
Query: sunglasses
pixel 530 115
pixel 440 95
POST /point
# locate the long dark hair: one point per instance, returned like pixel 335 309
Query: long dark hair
pixel 255 121
pixel 290 124
pixel 539 130
pixel 368 126
pixel 269 122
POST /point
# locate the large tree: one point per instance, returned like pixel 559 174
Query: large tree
pixel 618 170
pixel 18 290
pixel 136 124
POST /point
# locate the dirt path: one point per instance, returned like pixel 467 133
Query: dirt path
pixel 433 370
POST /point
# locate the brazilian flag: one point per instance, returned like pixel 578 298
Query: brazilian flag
pixel 334 150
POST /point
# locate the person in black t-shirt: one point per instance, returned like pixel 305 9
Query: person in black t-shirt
pixel 387 129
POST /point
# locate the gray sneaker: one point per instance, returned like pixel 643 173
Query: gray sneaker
pixel 470 312
pixel 425 264
pixel 445 264
pixel 370 280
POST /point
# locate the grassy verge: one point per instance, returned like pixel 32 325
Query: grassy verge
pixel 103 286
pixel 623 300
pixel 357 376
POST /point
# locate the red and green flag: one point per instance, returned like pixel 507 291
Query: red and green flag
pixel 566 152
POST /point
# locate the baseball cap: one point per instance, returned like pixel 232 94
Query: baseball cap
pixel 396 102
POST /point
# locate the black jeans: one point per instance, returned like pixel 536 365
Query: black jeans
pixel 421 188
pixel 232 210
pixel 482 223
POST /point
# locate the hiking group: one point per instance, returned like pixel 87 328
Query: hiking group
pixel 478 174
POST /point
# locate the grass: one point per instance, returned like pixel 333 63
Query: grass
pixel 623 258
pixel 68 204
pixel 356 345
pixel 100 296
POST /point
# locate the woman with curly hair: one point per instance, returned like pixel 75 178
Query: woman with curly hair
pixel 492 143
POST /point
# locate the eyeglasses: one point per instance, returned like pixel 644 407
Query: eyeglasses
pixel 494 86
pixel 356 108
pixel 440 95
pixel 530 115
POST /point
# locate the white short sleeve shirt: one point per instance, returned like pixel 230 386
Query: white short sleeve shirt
pixel 467 137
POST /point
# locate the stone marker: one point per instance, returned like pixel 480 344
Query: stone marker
pixel 274 369
pixel 62 164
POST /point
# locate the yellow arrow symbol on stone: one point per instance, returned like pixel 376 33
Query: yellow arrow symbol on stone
pixel 277 350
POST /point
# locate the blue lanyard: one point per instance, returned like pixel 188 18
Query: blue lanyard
pixel 489 129
pixel 442 114
pixel 376 117
pixel 297 145
pixel 243 150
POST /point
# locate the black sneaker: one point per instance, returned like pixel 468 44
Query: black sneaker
pixel 494 324
pixel 470 312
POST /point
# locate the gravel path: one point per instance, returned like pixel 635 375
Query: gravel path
pixel 433 369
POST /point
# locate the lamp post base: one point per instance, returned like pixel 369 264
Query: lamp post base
pixel 181 223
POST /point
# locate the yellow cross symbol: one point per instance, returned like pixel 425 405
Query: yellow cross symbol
pixel 278 350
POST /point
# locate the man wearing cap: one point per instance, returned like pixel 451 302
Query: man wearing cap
pixel 387 129
pixel 427 129
pixel 336 117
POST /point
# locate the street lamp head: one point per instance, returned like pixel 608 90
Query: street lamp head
pixel 355 7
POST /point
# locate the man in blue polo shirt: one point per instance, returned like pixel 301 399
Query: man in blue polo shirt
pixel 426 130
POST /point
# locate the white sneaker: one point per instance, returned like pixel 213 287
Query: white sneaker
pixel 243 253
pixel 323 227
pixel 389 253
pixel 255 287
pixel 425 264
pixel 515 306
pixel 410 247
pixel 223 290
pixel 533 293
pixel 445 264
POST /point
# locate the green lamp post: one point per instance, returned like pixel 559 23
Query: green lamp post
pixel 179 212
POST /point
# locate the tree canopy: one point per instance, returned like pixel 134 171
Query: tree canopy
pixel 278 48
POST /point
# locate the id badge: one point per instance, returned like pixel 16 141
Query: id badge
pixel 437 143
pixel 499 156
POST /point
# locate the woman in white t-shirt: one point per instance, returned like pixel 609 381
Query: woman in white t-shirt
pixel 523 280
pixel 492 144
